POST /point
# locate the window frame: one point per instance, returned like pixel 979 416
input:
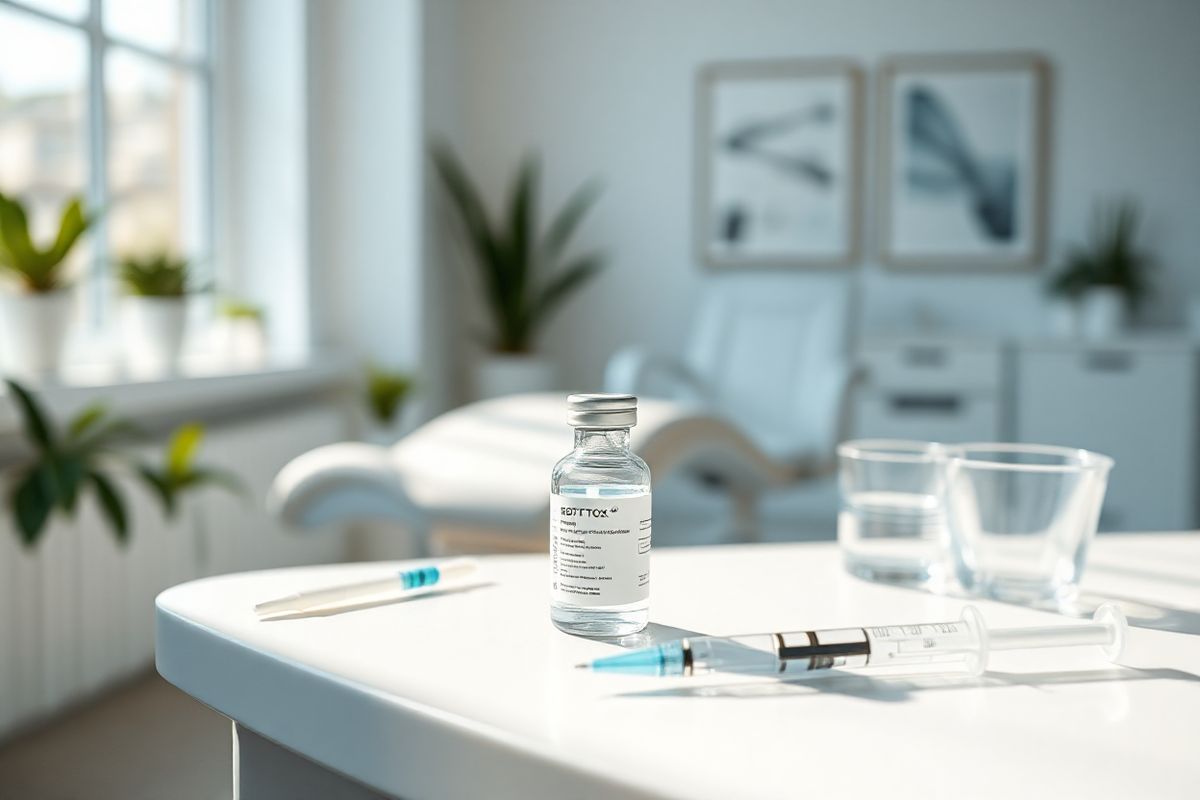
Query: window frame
pixel 97 189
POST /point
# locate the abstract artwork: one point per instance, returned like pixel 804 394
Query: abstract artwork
pixel 777 164
pixel 962 161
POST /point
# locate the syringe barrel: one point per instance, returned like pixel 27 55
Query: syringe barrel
pixel 947 644
pixel 963 644
pixel 943 643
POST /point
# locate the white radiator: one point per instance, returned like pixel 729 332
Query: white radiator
pixel 76 613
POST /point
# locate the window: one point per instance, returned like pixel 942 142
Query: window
pixel 110 99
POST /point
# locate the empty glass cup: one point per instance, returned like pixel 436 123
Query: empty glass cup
pixel 890 525
pixel 1020 517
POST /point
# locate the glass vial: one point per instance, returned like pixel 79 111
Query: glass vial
pixel 600 523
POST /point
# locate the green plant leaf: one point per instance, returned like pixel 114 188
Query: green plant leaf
pixel 160 486
pixel 232 308
pixel 101 435
pixel 522 214
pixel 211 476
pixel 564 225
pixel 86 419
pixel 1111 257
pixel 37 428
pixel 159 274
pixel 489 255
pixel 467 202
pixel 181 450
pixel 568 279
pixel 111 505
pixel 32 501
pixel 513 266
pixel 39 270
pixel 386 392
pixel 20 254
pixel 6 258
pixel 70 227
pixel 68 472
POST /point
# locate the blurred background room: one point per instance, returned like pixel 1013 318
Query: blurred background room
pixel 232 233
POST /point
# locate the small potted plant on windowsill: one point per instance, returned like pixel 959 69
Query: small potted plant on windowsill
pixel 153 312
pixel 37 309
pixel 524 273
pixel 1109 277
pixel 386 393
pixel 240 334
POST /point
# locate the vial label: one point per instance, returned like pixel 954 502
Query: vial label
pixel 599 550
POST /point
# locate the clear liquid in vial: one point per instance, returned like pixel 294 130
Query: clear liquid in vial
pixel 603 620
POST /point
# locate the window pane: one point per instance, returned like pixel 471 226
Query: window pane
pixel 156 157
pixel 71 9
pixel 170 26
pixel 43 115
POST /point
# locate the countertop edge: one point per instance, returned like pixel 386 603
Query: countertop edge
pixel 436 744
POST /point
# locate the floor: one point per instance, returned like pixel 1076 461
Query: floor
pixel 144 741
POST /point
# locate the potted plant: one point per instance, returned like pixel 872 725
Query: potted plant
pixel 240 335
pixel 386 393
pixel 1109 277
pixel 65 464
pixel 36 312
pixel 525 273
pixel 153 312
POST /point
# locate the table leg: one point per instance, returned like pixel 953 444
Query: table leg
pixel 262 770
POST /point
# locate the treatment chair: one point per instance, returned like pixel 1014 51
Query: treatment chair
pixel 758 403
pixel 771 355
pixel 477 478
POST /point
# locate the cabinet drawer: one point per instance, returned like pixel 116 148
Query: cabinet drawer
pixel 1138 407
pixel 927 415
pixel 930 365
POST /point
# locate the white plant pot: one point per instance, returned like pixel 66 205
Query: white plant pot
pixel 500 375
pixel 1102 313
pixel 240 343
pixel 152 330
pixel 35 327
pixel 1062 319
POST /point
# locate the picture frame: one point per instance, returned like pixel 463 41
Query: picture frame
pixel 778 164
pixel 963 150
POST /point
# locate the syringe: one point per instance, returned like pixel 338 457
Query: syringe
pixel 964 644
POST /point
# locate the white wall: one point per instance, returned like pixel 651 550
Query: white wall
pixel 261 163
pixel 442 110
pixel 605 88
pixel 372 294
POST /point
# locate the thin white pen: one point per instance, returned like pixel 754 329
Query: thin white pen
pixel 404 581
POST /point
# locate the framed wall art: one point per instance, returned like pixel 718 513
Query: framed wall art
pixel 777 164
pixel 962 161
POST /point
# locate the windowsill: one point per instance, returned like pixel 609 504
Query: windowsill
pixel 203 393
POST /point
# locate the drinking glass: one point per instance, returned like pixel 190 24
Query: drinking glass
pixel 1021 516
pixel 890 525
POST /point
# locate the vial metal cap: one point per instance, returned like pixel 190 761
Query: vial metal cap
pixel 601 410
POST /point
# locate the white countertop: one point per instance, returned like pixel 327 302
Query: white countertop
pixel 473 694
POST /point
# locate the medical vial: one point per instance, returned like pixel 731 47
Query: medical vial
pixel 600 523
